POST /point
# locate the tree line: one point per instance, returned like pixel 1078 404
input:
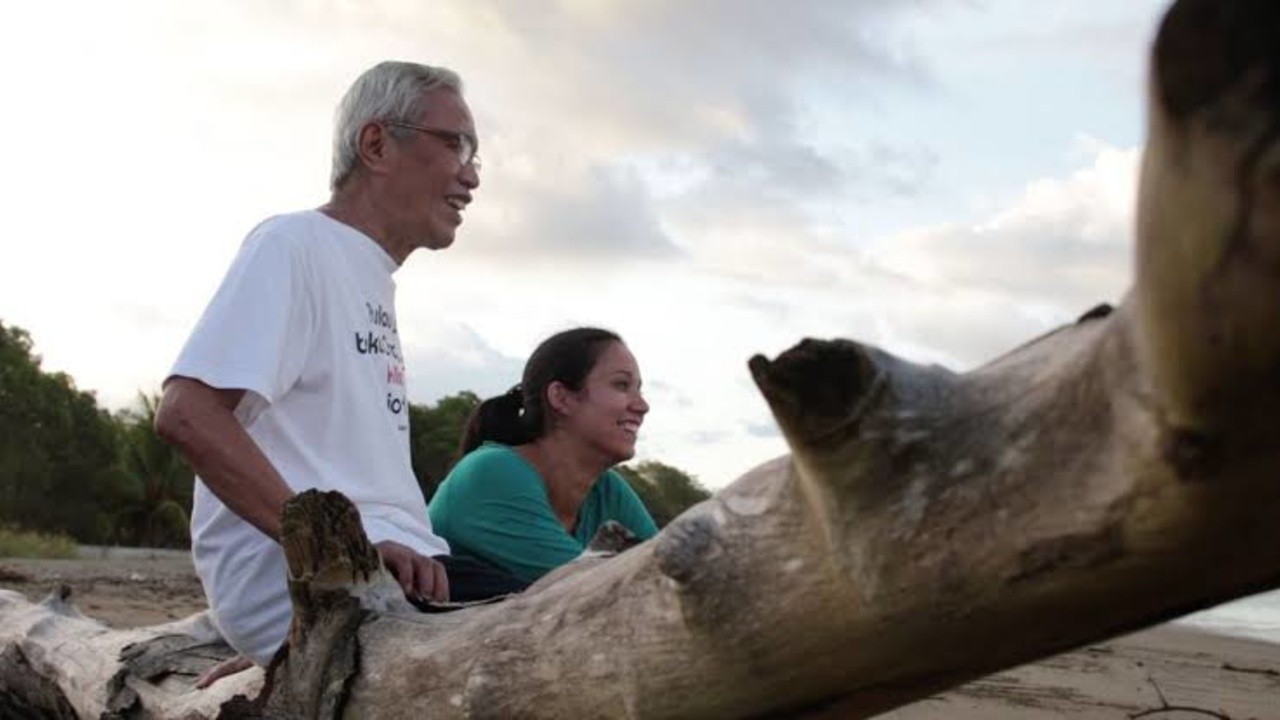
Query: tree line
pixel 71 467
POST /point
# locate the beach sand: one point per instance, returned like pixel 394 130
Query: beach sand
pixel 123 587
pixel 1164 673
pixel 1169 672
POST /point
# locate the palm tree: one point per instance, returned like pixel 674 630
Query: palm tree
pixel 152 488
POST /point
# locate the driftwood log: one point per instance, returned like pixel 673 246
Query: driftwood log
pixel 929 527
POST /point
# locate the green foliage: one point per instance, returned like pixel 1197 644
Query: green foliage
pixel 434 435
pixel 665 491
pixel 149 494
pixel 55 444
pixel 68 466
pixel 16 543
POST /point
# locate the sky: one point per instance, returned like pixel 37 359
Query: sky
pixel 944 179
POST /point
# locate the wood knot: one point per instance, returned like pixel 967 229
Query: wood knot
pixel 1097 312
pixel 1071 552
pixel 685 546
pixel 612 537
pixel 1192 454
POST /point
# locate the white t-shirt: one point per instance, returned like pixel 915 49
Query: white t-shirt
pixel 305 322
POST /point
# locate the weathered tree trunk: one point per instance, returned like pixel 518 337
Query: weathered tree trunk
pixel 57 663
pixel 929 527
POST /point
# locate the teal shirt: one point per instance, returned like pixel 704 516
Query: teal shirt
pixel 493 506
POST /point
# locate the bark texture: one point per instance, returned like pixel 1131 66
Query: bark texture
pixel 927 529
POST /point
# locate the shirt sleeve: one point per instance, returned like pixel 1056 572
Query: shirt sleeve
pixel 495 508
pixel 625 507
pixel 256 330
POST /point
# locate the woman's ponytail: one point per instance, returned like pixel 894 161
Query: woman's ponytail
pixel 498 419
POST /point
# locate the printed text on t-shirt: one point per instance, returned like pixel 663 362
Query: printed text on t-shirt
pixel 383 340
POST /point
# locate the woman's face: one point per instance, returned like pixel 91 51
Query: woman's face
pixel 607 412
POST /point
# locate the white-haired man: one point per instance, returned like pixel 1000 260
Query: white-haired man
pixel 294 376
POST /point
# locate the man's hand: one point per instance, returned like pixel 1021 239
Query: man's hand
pixel 421 577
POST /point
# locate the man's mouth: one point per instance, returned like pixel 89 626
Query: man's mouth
pixel 630 427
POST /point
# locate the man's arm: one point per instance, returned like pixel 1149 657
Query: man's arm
pixel 199 420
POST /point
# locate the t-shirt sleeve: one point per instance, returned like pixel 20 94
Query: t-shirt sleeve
pixel 256 330
pixel 626 507
pixel 493 507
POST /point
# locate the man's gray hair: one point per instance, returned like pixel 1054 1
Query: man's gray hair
pixel 390 90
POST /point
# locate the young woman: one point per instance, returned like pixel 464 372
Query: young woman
pixel 535 482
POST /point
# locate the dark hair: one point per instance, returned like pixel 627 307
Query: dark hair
pixel 520 415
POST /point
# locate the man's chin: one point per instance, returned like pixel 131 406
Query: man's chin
pixel 440 241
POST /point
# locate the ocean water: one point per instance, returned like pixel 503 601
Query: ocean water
pixel 1256 617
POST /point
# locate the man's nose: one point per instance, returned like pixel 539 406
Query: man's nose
pixel 469 176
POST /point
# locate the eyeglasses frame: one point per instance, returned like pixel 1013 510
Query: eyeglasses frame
pixel 468 146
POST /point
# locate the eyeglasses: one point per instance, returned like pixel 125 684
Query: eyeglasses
pixel 462 143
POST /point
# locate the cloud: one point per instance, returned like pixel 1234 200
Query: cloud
pixel 605 214
pixel 755 199
pixel 604 161
pixel 667 395
pixel 954 294
pixel 1064 243
pixel 448 358
pixel 1106 33
pixel 708 437
pixel 637 74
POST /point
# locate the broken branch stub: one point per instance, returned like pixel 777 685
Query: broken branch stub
pixel 332 567
pixel 1208 260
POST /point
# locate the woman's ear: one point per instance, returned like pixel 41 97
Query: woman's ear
pixel 559 398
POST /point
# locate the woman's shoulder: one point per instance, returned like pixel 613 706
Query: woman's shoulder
pixel 611 478
pixel 493 463
pixel 612 488
pixel 489 454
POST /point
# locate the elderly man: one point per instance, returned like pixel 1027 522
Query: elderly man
pixel 294 376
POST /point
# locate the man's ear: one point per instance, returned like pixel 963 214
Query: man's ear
pixel 372 145
pixel 559 398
